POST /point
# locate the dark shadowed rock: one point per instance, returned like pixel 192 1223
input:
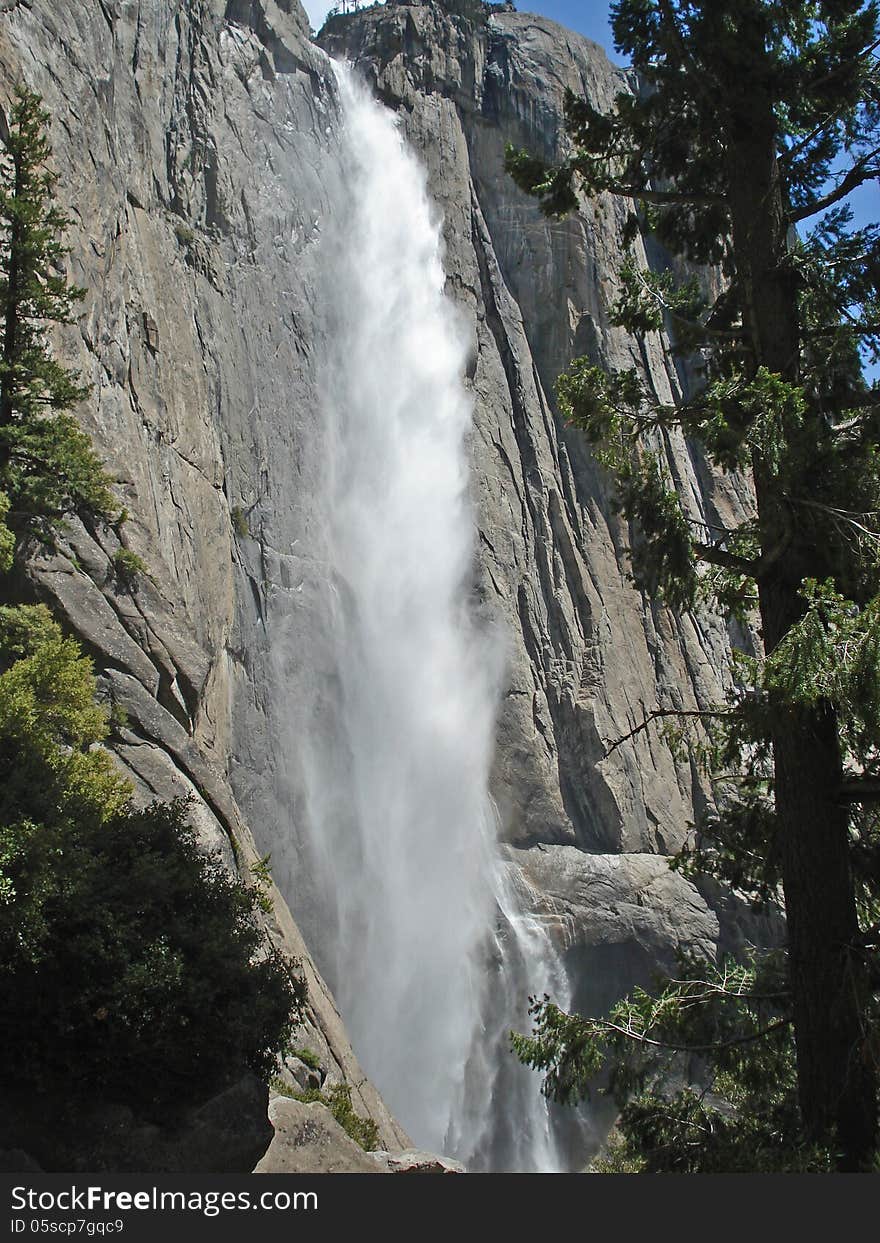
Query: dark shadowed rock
pixel 15 1161
pixel 225 1135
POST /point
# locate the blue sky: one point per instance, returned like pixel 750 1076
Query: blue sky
pixel 589 17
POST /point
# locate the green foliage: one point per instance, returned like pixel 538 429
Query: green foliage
pixel 832 654
pixel 147 979
pixel 261 877
pixel 47 464
pixel 751 119
pixel 337 1098
pixel 308 1057
pixel 726 1026
pixel 47 704
pixel 131 964
pixel 553 186
pixel 49 724
pixel 49 468
pixel 616 1158
pixel 128 567
pixel 184 233
pixel 649 300
pixel 239 522
pixel 23 629
pixel 7 537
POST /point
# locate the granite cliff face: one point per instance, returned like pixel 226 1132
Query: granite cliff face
pixel 197 151
pixel 190 142
pixel 588 653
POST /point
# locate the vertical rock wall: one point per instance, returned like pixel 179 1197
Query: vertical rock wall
pixel 191 145
pixel 196 149
pixel 588 653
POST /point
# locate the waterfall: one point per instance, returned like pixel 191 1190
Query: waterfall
pixel 431 955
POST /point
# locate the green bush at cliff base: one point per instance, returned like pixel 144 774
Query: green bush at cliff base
pixel 132 967
pixel 336 1098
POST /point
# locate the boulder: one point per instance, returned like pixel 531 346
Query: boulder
pixel 309 1140
pixel 413 1161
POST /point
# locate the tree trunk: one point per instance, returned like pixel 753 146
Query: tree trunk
pixel 836 1084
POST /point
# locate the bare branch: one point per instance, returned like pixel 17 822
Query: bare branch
pixel 727 560
pixel 659 714
pixel 663 198
pixel 693 325
pixel 604 1025
pixel 863 170
pixel 843 518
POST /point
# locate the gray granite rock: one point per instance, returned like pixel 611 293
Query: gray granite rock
pixel 191 145
pixel 197 156
pixel 309 1140
pixel 414 1161
pixel 588 653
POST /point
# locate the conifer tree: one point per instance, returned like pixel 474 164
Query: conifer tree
pixel 753 122
pixel 133 965
pixel 47 464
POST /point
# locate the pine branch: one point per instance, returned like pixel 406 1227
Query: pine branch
pixel 707 88
pixel 863 170
pixel 836 72
pixel 658 714
pixel 663 198
pixel 716 1047
pixel 705 330
pixel 843 517
pixel 727 560
pixel 789 156
pixel 793 152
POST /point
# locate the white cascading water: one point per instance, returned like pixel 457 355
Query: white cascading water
pixel 433 957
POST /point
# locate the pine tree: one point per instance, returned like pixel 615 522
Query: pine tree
pixel 47 464
pixel 753 122
pixel 133 966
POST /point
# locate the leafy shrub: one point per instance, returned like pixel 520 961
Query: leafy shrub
pixel 308 1058
pixel 337 1098
pixel 147 979
pixel 132 965
pixel 239 522
pixel 128 567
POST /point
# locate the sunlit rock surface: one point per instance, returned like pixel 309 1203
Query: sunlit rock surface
pixel 197 151
pixel 588 654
